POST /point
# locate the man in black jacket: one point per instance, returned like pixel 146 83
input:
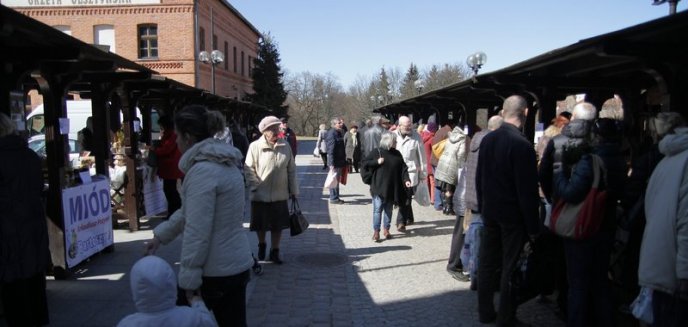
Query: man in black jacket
pixel 507 190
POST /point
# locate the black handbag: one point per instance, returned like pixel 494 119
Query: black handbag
pixel 526 278
pixel 297 221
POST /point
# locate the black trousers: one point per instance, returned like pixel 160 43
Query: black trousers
pixel 174 201
pixel 323 156
pixel 500 247
pixel 226 298
pixel 454 262
pixel 25 302
pixel 405 213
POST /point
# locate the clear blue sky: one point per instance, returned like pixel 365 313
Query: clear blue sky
pixel 351 38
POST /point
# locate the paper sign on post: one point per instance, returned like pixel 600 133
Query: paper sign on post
pixel 64 126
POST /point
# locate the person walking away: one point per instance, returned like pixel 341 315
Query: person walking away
pixel 215 254
pixel 440 135
pixel 389 183
pixel 455 266
pixel 288 135
pixel 352 146
pixel 25 256
pixel 664 250
pixel 426 136
pixel 587 259
pixel 336 155
pixel 154 291
pixel 507 192
pixel 373 134
pixel 453 158
pixel 321 144
pixel 168 156
pixel 411 147
pixel 271 178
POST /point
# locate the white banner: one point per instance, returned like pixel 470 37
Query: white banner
pixel 153 194
pixel 74 3
pixel 87 219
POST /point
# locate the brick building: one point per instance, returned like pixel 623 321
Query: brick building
pixel 164 35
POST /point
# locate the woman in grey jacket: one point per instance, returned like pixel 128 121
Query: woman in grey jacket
pixel 453 157
pixel 216 256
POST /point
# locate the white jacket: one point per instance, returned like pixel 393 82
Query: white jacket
pixel 411 148
pixel 664 251
pixel 215 243
pixel 154 289
pixel 270 171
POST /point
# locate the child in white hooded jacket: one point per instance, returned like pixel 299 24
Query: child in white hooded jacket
pixel 154 290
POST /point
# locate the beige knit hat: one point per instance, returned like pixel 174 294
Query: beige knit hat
pixel 267 122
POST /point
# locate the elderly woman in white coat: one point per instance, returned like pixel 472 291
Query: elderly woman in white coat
pixel 321 144
pixel 215 256
pixel 271 178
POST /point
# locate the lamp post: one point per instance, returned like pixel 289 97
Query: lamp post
pixel 213 58
pixel 419 85
pixel 476 61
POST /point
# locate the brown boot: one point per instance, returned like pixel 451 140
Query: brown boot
pixel 376 236
pixel 387 234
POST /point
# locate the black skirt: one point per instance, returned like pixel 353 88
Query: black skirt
pixel 268 216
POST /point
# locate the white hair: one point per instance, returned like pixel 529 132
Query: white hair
pixel 584 111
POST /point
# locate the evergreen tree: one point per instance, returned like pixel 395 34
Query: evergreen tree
pixel 267 78
pixel 408 86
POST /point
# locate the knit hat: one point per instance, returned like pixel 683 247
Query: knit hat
pixel 267 122
pixel 431 126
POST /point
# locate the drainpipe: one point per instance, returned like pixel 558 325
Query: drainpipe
pixel 196 50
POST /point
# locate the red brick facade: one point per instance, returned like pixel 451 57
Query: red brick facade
pixel 177 44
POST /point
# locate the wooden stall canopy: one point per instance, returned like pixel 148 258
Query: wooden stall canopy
pixel 35 56
pixel 646 65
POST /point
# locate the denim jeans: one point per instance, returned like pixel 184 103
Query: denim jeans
pixel 438 193
pixel 334 192
pixel 381 208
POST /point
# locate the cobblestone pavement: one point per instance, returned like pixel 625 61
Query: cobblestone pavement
pixel 334 274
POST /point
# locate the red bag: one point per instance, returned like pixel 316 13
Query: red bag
pixel 345 173
pixel 582 220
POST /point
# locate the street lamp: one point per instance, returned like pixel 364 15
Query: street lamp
pixel 476 61
pixel 213 58
pixel 419 85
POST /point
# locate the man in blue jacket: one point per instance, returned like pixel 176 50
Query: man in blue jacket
pixel 507 190
pixel 336 154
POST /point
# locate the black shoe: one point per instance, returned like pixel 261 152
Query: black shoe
pixel 324 168
pixel 338 201
pixel 261 251
pixel 488 318
pixel 274 256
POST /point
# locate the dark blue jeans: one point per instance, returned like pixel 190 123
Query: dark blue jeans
pixel 381 209
pixel 586 269
pixel 669 310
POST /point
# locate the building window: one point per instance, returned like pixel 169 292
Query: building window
pixel 64 29
pixel 235 60
pixel 104 35
pixel 214 42
pixel 201 38
pixel 148 41
pixel 243 64
pixel 226 54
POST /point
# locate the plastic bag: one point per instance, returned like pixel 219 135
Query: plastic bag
pixel 422 195
pixel 641 308
pixel 332 179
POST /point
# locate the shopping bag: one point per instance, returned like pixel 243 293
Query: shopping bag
pixel 331 180
pixel 316 152
pixel 344 175
pixel 582 220
pixel 422 195
pixel 525 279
pixel 642 306
pixel 297 221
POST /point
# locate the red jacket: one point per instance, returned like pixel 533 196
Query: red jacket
pixel 427 144
pixel 168 156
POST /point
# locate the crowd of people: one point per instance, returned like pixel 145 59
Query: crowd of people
pixel 495 182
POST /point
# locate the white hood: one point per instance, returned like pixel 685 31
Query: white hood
pixel 153 285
